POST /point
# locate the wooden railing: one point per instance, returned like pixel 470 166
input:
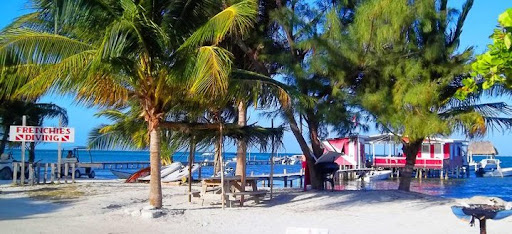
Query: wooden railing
pixel 50 173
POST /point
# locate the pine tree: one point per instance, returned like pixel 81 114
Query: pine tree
pixel 404 67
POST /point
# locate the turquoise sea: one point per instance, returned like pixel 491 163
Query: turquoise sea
pixel 454 188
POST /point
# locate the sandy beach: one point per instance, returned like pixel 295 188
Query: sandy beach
pixel 108 207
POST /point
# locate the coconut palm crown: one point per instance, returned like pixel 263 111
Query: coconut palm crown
pixel 108 52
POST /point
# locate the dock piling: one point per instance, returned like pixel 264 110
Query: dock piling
pixel 30 174
pixel 45 173
pixel 15 173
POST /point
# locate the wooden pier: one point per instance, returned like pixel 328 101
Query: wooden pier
pixel 140 165
pixel 116 165
pixel 285 177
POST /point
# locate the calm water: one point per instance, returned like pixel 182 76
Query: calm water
pixel 455 188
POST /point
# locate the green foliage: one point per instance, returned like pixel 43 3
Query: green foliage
pixel 408 69
pixel 495 65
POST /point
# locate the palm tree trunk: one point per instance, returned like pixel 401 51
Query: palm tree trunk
pixel 216 158
pixel 155 186
pixel 4 140
pixel 410 150
pixel 241 151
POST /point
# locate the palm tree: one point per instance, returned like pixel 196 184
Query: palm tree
pixel 109 52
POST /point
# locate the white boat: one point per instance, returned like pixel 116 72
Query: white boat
pixel 376 175
pixel 165 171
pixel 500 172
pixel 180 174
pixel 294 159
pixel 490 167
pixel 122 174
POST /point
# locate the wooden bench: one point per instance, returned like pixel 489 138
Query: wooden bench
pixel 253 195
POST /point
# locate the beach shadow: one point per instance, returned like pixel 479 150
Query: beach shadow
pixel 25 208
pixel 340 199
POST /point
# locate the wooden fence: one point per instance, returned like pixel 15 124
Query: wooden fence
pixel 43 173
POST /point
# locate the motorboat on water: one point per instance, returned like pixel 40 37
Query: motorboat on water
pixel 291 160
pixel 490 167
pixel 374 175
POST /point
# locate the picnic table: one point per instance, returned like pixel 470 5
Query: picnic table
pixel 234 190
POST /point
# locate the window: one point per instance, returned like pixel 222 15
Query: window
pixel 425 150
pixel 437 148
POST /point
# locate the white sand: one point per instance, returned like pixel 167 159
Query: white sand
pixel 104 210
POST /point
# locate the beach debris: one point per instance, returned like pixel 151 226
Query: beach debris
pixel 296 230
pixel 112 206
pixel 135 213
pixel 151 214
pixel 482 208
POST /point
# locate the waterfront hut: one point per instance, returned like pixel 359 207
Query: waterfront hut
pixel 347 152
pixel 480 148
pixel 435 153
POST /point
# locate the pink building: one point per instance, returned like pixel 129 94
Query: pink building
pixel 385 150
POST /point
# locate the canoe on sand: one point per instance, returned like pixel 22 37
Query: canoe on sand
pixel 140 173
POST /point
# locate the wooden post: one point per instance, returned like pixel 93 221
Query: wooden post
pixel 66 170
pixel 59 154
pixel 38 172
pixel 199 173
pixel 22 176
pixel 15 173
pixel 223 188
pixel 271 180
pixel 45 173
pixel 73 173
pixel 190 163
pixel 52 173
pixel 483 226
pixel 30 174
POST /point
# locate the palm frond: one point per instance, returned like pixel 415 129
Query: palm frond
pixel 211 71
pixel 237 18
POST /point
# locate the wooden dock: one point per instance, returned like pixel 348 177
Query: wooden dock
pixel 116 165
pixel 285 177
pixel 140 165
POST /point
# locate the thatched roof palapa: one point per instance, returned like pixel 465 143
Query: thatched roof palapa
pixel 482 148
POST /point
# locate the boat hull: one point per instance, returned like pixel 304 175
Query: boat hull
pixel 121 174
pixel 377 175
pixel 165 171
pixel 503 172
pixel 140 173
pixel 180 174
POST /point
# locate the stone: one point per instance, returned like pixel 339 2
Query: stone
pixel 149 207
pixel 151 214
pixel 135 213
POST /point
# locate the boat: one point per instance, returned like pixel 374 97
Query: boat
pixel 294 159
pixel 121 174
pixel 376 175
pixel 166 170
pixel 490 167
pixel 140 173
pixel 180 174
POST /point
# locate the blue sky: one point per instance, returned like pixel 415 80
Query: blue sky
pixel 479 25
